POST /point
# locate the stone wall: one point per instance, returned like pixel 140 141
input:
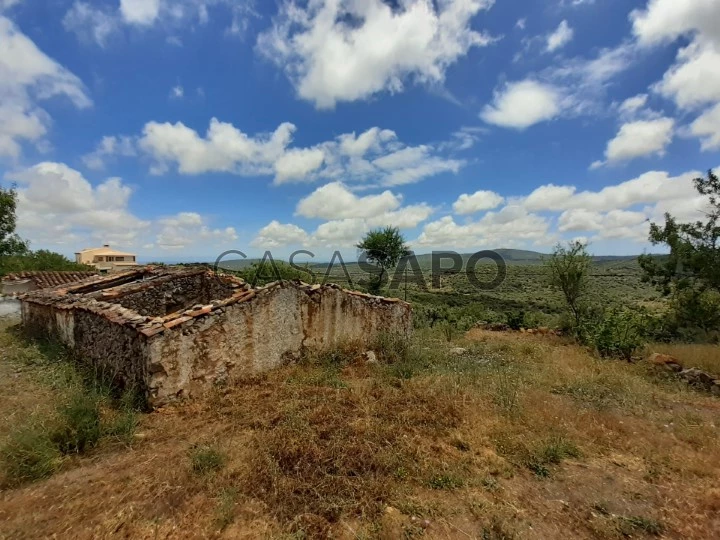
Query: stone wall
pixel 115 352
pixel 170 294
pixel 121 334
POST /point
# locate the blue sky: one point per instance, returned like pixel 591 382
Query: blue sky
pixel 182 128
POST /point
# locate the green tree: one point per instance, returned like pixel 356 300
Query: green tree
pixel 44 259
pixel 10 243
pixel 384 248
pixel 694 259
pixel 39 260
pixel 569 268
pixel 691 271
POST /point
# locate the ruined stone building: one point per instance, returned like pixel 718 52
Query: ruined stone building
pixel 173 333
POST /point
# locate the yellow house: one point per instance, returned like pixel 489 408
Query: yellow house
pixel 106 260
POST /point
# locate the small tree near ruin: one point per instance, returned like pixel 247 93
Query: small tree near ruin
pixel 384 248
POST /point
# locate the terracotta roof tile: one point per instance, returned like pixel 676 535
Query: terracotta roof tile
pixel 45 279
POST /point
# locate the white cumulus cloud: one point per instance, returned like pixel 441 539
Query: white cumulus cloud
pixel 638 139
pixel 707 128
pixel 344 50
pixel 276 234
pixel 510 226
pixel 186 229
pixel 59 208
pixel 298 164
pixel 28 76
pixel 668 19
pixel 375 156
pixel 336 201
pixel 694 79
pixel 650 188
pixel 57 204
pixel 348 216
pixel 521 104
pixel 477 202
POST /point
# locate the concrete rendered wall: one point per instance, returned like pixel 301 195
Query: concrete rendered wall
pixel 263 333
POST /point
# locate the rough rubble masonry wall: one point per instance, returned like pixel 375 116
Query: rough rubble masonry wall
pixel 185 352
pixel 171 294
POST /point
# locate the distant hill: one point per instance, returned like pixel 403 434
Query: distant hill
pixel 237 264
pixel 511 256
pixel 520 255
pixel 523 256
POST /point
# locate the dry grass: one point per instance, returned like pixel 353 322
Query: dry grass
pixel 520 437
pixel 705 357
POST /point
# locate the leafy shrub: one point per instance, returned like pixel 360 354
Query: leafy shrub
pixel 515 319
pixel 425 316
pixel 694 316
pixel 618 332
pixel 374 284
pixel 535 319
pixel 465 323
pixel 392 347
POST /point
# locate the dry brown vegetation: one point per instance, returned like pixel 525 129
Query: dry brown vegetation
pixel 519 437
pixel 702 356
